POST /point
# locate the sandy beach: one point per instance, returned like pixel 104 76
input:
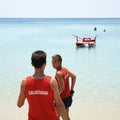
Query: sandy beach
pixel 80 111
pixel 95 112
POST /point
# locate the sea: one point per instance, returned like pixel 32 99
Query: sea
pixel 97 68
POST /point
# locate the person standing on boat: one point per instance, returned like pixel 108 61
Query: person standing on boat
pixel 76 39
pixel 41 92
pixel 62 76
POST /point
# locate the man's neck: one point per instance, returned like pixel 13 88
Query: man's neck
pixel 39 74
pixel 59 68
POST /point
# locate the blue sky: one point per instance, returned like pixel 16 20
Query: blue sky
pixel 60 8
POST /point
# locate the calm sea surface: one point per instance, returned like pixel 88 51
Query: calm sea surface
pixel 97 68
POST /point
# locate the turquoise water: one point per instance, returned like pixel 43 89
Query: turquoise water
pixel 97 68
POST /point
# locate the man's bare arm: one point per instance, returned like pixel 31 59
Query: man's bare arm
pixel 21 97
pixel 59 104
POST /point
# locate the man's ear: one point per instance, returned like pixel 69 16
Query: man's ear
pixel 44 64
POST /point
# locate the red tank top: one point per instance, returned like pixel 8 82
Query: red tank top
pixel 66 92
pixel 40 99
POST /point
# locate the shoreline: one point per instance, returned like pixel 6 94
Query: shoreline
pixel 78 111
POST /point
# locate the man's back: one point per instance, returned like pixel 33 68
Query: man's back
pixel 41 92
pixel 40 99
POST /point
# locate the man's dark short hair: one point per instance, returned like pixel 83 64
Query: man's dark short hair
pixel 58 57
pixel 38 58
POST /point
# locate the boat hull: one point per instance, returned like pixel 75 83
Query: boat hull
pixel 87 44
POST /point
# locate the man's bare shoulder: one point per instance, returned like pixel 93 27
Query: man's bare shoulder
pixel 23 83
pixel 59 73
pixel 53 83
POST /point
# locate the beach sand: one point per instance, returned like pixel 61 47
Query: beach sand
pixel 80 111
pixel 96 111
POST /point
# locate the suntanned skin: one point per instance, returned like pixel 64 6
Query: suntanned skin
pixel 59 76
pixel 39 74
pixel 60 81
pixel 59 104
pixel 61 84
